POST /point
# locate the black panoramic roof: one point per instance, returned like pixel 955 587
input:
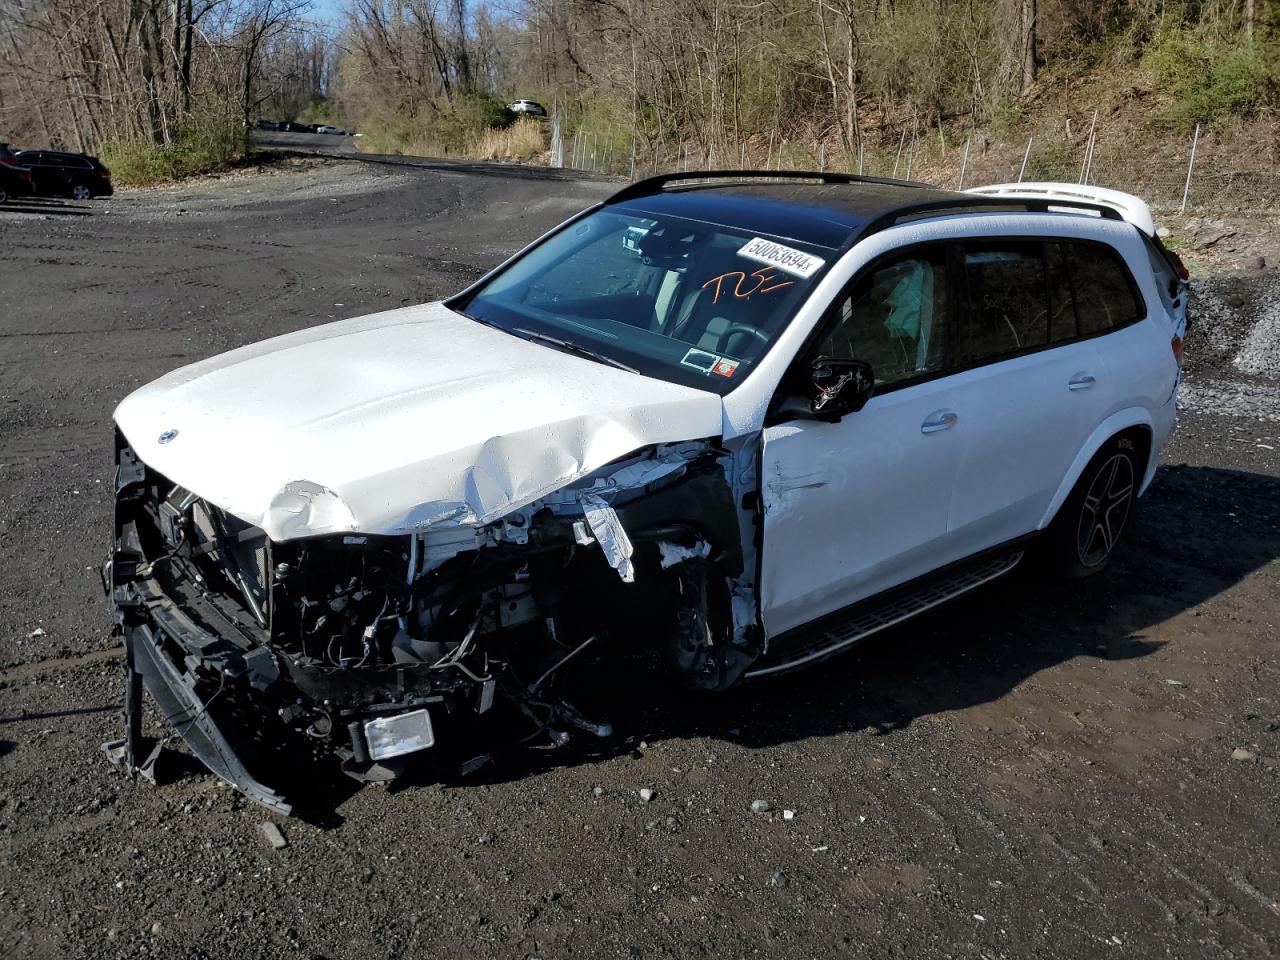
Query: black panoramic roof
pixel 827 209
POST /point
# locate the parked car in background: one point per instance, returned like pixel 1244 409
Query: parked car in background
pixel 270 125
pixel 529 108
pixel 59 174
pixel 332 131
pixel 15 179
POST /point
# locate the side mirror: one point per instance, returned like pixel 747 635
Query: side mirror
pixel 839 387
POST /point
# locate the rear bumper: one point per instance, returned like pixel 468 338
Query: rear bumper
pixel 17 187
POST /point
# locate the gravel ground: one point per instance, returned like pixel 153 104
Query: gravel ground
pixel 1233 350
pixel 1040 770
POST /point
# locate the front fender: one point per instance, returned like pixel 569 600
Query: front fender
pixel 1108 428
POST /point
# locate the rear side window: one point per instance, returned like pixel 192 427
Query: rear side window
pixel 1007 301
pixel 1104 292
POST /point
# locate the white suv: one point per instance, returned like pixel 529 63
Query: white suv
pixel 743 419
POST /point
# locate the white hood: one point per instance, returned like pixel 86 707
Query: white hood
pixel 388 423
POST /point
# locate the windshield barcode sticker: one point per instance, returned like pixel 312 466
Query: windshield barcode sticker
pixel 793 261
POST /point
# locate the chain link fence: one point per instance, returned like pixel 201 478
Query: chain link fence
pixel 1158 174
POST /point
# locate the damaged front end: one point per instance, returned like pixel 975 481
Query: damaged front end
pixel 362 649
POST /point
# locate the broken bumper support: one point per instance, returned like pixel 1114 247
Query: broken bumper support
pixel 182 709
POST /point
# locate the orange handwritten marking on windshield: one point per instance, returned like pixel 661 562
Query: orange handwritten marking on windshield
pixel 761 276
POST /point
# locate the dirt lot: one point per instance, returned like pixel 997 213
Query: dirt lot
pixel 1038 771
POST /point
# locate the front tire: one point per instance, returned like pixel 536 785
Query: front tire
pixel 1088 527
pixel 81 192
pixel 4 196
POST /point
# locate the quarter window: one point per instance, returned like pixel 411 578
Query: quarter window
pixel 894 319
pixel 1008 310
pixel 1105 298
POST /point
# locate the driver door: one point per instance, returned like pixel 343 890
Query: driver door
pixel 855 507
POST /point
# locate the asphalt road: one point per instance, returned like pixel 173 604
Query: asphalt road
pixel 1041 770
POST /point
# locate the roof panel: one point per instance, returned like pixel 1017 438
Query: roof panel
pixel 826 214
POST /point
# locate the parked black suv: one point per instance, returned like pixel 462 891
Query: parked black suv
pixel 58 174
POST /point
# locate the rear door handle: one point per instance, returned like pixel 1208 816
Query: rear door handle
pixel 939 420
pixel 1082 381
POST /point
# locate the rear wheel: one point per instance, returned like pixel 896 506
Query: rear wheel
pixel 1087 529
pixel 81 192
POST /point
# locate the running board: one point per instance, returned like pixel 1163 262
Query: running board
pixel 822 643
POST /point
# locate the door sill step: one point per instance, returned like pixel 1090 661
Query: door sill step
pixel 814 645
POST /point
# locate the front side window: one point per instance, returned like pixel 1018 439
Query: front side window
pixel 893 319
pixel 682 300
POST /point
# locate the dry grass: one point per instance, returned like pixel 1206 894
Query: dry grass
pixel 526 139
pixel 523 140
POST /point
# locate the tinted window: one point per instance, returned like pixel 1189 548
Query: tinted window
pixel 1007 308
pixel 1166 279
pixel 894 319
pixel 1062 308
pixel 1105 297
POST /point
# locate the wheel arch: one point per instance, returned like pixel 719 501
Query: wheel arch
pixel 1134 422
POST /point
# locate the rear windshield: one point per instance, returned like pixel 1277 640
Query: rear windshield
pixel 682 300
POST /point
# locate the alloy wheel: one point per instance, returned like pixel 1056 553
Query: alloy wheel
pixel 1105 510
pixel 82 193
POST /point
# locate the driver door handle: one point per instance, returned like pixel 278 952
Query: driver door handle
pixel 1081 381
pixel 939 420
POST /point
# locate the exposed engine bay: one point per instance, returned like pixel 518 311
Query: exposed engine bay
pixel 363 648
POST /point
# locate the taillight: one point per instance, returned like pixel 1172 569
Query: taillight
pixel 105 172
pixel 1177 350
pixel 1179 267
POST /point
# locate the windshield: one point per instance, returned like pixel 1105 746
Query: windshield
pixel 681 300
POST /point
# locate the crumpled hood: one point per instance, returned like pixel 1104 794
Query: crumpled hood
pixel 388 423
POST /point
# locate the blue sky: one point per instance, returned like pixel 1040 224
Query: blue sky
pixel 328 11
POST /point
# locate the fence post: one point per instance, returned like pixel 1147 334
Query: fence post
pixel 861 147
pixel 1186 190
pixel 1025 157
pixel 633 156
pixel 1088 150
pixel 901 141
pixel 557 142
pixel 822 156
pixel 964 162
pixel 911 157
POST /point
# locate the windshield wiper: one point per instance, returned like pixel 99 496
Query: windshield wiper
pixel 577 349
